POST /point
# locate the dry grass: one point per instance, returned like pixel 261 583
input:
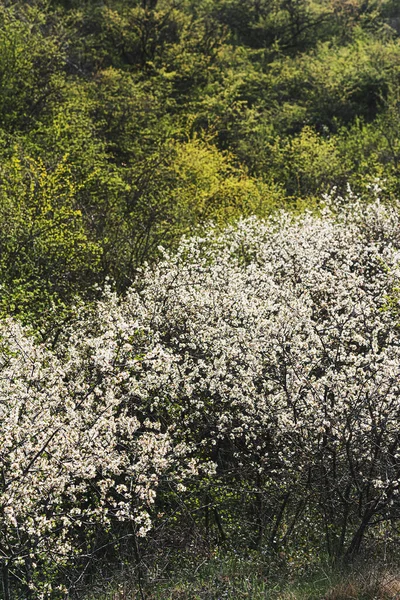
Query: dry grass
pixel 343 591
pixel 390 587
pixel 372 586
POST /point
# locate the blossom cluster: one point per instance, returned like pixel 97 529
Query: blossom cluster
pixel 266 357
pixel 72 458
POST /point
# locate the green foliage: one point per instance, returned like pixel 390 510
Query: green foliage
pixel 46 255
pixel 140 121
pixel 31 61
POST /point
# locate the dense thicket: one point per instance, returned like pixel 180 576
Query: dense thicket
pixel 246 393
pixel 239 387
pixel 124 124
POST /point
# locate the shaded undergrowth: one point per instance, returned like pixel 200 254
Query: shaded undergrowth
pixel 238 578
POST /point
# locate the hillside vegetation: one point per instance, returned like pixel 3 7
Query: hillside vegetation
pixel 125 124
pixel 199 295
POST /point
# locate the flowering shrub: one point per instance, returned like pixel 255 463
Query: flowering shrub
pixel 271 351
pixel 65 470
pixel 262 364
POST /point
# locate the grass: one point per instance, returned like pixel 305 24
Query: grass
pixel 235 578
